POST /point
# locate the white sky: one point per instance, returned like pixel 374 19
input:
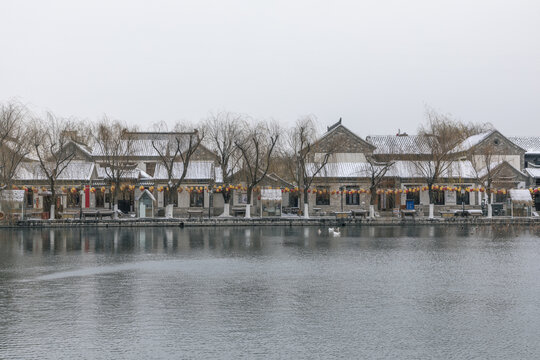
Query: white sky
pixel 377 64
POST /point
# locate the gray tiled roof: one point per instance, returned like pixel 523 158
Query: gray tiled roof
pixel 197 170
pixel 143 148
pixel 403 169
pixel 399 145
pixel 76 171
pixel 531 144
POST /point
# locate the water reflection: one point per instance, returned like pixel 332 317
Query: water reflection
pixel 269 292
pixel 240 239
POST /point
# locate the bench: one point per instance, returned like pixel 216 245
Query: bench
pixel 239 210
pixel 342 214
pixel 405 212
pixel 359 212
pixel 475 212
pixel 198 213
pixel 317 210
pixel 447 213
pixel 69 215
pixel 98 214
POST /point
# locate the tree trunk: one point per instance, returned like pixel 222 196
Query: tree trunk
pixel 373 195
pixel 306 203
pixel 170 194
pixel 248 205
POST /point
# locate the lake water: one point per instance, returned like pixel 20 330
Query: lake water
pixel 270 292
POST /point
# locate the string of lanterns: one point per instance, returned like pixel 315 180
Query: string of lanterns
pixel 257 189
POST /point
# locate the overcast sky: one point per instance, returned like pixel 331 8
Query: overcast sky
pixel 377 64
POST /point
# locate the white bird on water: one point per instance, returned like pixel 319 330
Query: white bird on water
pixel 334 232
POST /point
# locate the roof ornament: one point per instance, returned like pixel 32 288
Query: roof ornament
pixel 399 133
pixel 332 127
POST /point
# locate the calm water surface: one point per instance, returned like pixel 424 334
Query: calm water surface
pixel 384 292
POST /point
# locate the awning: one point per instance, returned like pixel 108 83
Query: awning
pixel 521 196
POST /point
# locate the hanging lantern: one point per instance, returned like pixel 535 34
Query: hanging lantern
pixel 151 189
pixel 103 189
pixel 93 189
pixel 141 188
pixel 73 190
pixel 180 189
pixel 122 187
pixel 113 187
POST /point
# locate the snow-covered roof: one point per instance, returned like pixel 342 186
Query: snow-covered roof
pixel 419 169
pixel 197 170
pixel 533 172
pixel 144 147
pixel 521 196
pixel 402 169
pixel 133 174
pixel 148 193
pixel 531 144
pixel 472 141
pixel 85 149
pixel 76 171
pixel 399 144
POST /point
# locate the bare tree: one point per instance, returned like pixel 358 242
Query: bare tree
pixel 174 148
pixel 223 132
pixel 256 144
pixel 14 141
pixel 439 138
pixel 113 150
pixel 306 160
pixel 375 171
pixel 485 157
pixel 51 142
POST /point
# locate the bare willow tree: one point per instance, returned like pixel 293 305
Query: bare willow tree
pixel 176 148
pixel 375 170
pixel 114 147
pixel 52 146
pixel 257 144
pixel 305 158
pixel 224 130
pixel 14 141
pixel 485 157
pixel 437 140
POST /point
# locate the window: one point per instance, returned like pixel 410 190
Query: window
pixel 166 198
pixel 293 199
pixel 323 196
pixel 500 198
pixel 73 199
pixel 415 196
pixel 29 199
pixel 386 201
pixel 464 198
pixel 196 199
pixel 352 199
pixel 100 198
pixel 241 198
pixel 438 197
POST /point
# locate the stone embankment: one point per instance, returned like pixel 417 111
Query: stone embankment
pixel 284 221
